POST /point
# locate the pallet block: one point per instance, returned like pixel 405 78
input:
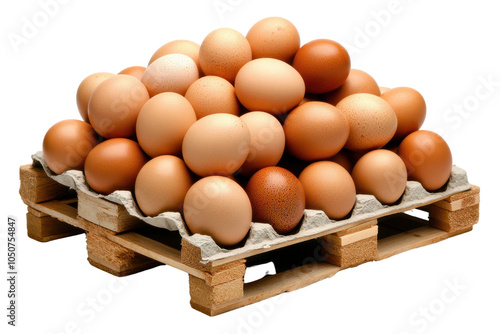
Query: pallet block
pixel 119 244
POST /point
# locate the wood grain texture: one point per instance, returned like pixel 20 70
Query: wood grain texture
pixel 37 187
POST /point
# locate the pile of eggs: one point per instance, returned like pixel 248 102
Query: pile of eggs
pixel 241 129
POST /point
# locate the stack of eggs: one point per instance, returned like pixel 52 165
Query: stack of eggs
pixel 241 129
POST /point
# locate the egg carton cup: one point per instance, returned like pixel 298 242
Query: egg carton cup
pixel 263 235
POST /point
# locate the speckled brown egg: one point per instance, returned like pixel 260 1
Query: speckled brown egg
pixel 223 52
pixel 114 165
pixel 315 130
pixel 170 73
pixel 324 64
pixel 211 95
pixel 184 47
pixel 409 106
pixel 115 104
pixel 357 82
pixel 219 207
pixel 85 90
pixel 380 173
pixel 67 144
pixel 162 184
pixel 428 158
pixel 277 198
pixel 328 187
pixel 372 121
pixel 135 71
pixel 274 37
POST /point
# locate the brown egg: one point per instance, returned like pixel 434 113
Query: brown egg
pixel 380 173
pixel 328 187
pixel 212 95
pixel 162 123
pixel 114 165
pixel 357 82
pixel 372 122
pixel 188 48
pixel 274 37
pixel 223 52
pixel 219 207
pixel 343 159
pixel 115 104
pixel 217 144
pixel 277 198
pixel 315 131
pixel 428 159
pixel 162 184
pixel 309 97
pixel 170 73
pixel 409 107
pixel 383 89
pixel 267 141
pixel 324 65
pixel 67 144
pixel 269 85
pixel 85 90
pixel 135 71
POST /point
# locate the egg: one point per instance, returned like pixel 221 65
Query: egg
pixel 162 123
pixel 67 144
pixel 383 89
pixel 188 48
pixel 372 121
pixel 170 73
pixel 162 184
pixel 380 173
pixel 324 64
pixel 212 95
pixel 357 82
pixel 85 90
pixel 115 105
pixel 344 159
pixel 136 71
pixel 267 141
pixel 409 106
pixel 428 158
pixel 223 52
pixel 315 130
pixel 219 207
pixel 217 144
pixel 328 187
pixel 274 37
pixel 277 198
pixel 270 85
pixel 113 165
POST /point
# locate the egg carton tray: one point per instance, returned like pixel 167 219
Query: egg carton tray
pixel 121 241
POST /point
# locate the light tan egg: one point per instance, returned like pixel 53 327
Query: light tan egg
pixel 223 52
pixel 211 95
pixel 269 85
pixel 162 123
pixel 357 82
pixel 170 73
pixel 267 141
pixel 162 184
pixel 216 144
pixel 380 173
pixel 328 187
pixel 274 37
pixel 188 48
pixel 219 207
pixel 85 90
pixel 372 121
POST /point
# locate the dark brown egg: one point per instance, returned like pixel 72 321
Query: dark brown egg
pixel 277 198
pixel 114 165
pixel 323 64
pixel 67 144
pixel 427 157
pixel 357 82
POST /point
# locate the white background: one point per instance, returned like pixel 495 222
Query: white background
pixel 443 49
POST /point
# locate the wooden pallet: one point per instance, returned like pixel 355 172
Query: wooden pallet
pixel 122 245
